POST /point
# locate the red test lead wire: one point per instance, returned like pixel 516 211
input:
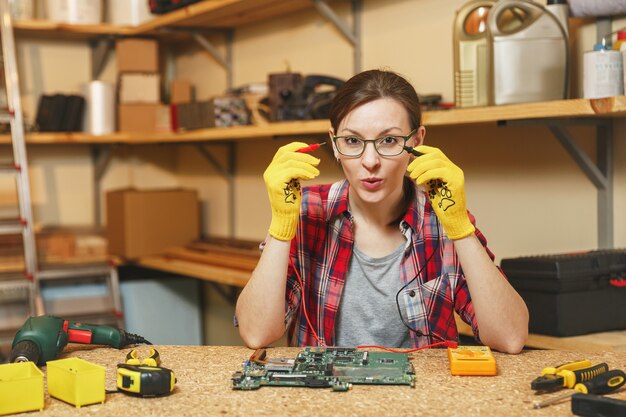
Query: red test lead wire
pixel 311 148
pixel 447 343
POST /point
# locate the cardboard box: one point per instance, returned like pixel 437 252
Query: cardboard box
pixel 137 55
pixel 180 92
pixel 136 118
pixel 147 222
pixel 139 88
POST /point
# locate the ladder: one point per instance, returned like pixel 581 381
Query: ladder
pixel 29 290
pixel 14 289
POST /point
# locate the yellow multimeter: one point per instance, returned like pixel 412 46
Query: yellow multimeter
pixel 472 360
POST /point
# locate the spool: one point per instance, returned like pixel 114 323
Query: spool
pixel 99 108
pixel 82 12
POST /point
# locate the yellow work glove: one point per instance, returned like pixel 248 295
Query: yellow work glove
pixel 444 182
pixel 282 180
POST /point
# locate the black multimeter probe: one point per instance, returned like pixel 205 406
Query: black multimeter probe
pixel 412 151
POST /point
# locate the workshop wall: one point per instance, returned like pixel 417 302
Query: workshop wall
pixel 528 195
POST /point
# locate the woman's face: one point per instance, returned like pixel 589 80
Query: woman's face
pixel 374 178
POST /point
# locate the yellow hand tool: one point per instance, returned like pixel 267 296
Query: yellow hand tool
pixel 153 359
pixel 144 377
pixel 567 375
pixel 602 384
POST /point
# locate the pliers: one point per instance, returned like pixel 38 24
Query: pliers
pixel 567 375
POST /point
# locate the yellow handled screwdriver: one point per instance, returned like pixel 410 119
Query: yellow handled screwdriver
pixel 601 384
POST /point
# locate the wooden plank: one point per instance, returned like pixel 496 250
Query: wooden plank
pixel 575 108
pixel 251 11
pixel 610 107
pixel 202 15
pixel 223 14
pixel 48 29
pixel 215 257
pixel 271 130
pixel 219 275
pixel 595 342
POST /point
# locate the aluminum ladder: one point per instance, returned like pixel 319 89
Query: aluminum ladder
pixel 15 289
pixel 24 225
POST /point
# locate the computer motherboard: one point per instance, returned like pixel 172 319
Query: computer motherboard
pixel 316 367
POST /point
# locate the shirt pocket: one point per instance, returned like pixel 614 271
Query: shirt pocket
pixel 429 306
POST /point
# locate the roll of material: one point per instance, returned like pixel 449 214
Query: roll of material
pixel 597 7
pixel 85 12
pixel 128 12
pixel 100 108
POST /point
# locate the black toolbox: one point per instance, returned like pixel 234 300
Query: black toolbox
pixel 572 294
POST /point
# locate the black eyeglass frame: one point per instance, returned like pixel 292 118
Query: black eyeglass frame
pixel 365 142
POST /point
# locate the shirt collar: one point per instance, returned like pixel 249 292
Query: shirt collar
pixel 338 199
pixel 414 216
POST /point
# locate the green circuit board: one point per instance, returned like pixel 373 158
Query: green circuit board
pixel 336 368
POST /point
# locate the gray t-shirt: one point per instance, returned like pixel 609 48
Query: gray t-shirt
pixel 367 312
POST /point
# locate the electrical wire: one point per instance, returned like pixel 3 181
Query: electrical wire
pixel 441 342
pixel 303 307
pixel 447 343
pixel 416 331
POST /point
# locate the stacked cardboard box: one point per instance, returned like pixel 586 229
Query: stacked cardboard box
pixel 147 222
pixel 139 87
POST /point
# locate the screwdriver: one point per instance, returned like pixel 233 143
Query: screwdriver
pixel 597 406
pixel 601 384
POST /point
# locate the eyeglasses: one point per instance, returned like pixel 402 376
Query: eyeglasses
pixel 388 145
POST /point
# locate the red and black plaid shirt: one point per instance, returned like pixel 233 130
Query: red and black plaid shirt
pixel 322 249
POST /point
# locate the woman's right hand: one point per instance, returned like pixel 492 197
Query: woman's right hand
pixel 282 180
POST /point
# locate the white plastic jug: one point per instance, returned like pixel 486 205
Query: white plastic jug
pixel 528 52
pixel 471 60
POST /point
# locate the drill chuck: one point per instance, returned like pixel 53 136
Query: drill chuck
pixel 25 351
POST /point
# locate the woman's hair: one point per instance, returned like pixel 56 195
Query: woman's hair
pixel 372 85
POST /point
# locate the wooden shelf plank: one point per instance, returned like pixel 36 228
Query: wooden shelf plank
pixel 48 29
pixel 290 129
pixel 574 108
pixel 217 274
pixel 202 15
pixel 609 107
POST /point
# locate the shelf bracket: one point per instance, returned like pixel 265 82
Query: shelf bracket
pixel 100 50
pixel 228 172
pixel 604 25
pixel 101 156
pixel 226 60
pixel 600 173
pixel 352 35
pixel 229 293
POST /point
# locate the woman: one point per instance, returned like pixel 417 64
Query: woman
pixel 386 255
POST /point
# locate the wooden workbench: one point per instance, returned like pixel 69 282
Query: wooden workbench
pixel 204 387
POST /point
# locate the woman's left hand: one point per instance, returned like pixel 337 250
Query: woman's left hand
pixel 445 183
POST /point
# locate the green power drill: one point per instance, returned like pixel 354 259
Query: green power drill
pixel 42 338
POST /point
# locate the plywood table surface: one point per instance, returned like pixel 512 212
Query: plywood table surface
pixel 204 387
